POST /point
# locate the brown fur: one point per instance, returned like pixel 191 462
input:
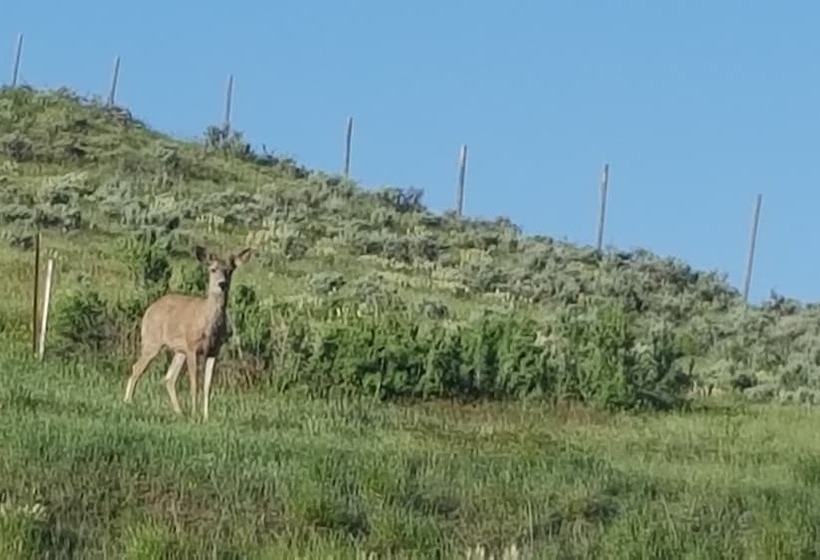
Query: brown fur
pixel 189 326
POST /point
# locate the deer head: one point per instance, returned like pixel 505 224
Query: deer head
pixel 221 270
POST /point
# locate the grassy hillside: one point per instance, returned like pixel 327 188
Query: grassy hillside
pixel 359 311
pixel 121 205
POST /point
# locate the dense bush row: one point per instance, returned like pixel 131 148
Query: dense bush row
pixel 590 354
pixel 361 335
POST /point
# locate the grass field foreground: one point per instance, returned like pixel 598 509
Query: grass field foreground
pixel 288 476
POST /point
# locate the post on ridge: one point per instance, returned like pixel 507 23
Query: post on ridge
pixel 348 145
pixel 602 206
pixel 747 280
pixel 18 54
pixel 462 170
pixel 228 104
pixel 115 76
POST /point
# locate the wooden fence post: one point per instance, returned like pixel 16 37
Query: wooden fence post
pixel 115 76
pixel 46 303
pixel 348 143
pixel 228 103
pixel 462 169
pixel 747 280
pixel 602 207
pixel 18 54
pixel 36 292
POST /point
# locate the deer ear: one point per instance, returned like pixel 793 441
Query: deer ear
pixel 241 257
pixel 201 254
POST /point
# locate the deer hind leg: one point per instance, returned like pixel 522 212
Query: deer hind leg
pixel 206 387
pixel 171 380
pixel 138 369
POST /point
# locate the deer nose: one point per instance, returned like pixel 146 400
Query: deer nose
pixel 222 284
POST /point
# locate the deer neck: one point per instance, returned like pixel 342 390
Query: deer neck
pixel 215 305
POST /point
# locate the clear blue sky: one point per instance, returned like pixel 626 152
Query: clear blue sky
pixel 697 105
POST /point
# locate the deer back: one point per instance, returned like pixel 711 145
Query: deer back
pixel 185 323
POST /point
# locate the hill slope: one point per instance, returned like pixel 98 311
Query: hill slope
pixel 362 289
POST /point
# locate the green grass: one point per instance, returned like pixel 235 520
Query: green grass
pixel 274 476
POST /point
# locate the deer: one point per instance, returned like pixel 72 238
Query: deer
pixel 189 326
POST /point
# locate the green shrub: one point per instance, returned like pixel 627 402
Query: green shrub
pixel 591 356
pixel 83 321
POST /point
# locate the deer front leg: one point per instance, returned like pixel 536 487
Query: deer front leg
pixel 171 380
pixel 210 362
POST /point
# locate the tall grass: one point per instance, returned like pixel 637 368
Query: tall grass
pixel 82 475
